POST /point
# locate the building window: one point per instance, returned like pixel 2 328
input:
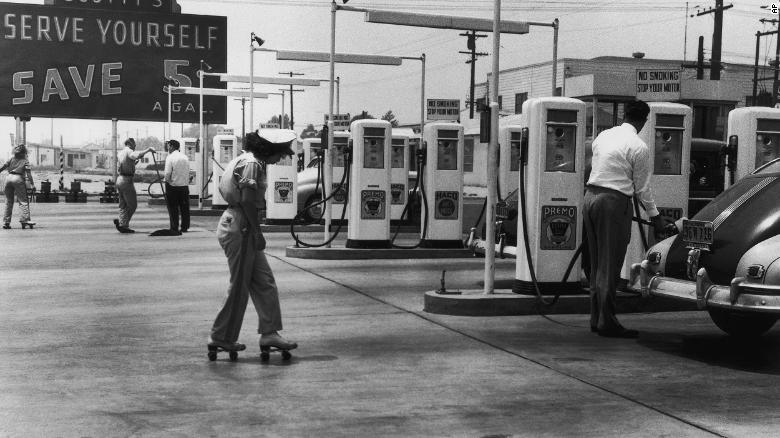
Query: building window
pixel 468 154
pixel 558 91
pixel 43 158
pixel 500 102
pixel 82 156
pixel 519 99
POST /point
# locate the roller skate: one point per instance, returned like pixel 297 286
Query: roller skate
pixel 274 342
pixel 231 347
pixel 6 226
pixel 27 224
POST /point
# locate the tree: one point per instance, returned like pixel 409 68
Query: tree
pixel 285 121
pixel 361 116
pixel 390 117
pixel 309 132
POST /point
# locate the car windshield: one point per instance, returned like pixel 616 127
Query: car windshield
pixel 770 167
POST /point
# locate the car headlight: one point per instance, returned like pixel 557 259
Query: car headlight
pixel 756 272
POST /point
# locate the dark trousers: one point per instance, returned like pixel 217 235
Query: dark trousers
pixel 178 199
pixel 607 215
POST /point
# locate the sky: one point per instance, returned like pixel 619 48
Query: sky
pixel 588 28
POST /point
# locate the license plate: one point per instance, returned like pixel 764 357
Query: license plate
pixel 697 234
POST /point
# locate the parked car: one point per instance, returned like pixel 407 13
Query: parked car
pixel 726 259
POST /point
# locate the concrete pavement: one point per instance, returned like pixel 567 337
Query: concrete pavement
pixel 105 336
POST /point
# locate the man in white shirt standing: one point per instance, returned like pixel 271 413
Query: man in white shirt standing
pixel 620 169
pixel 177 176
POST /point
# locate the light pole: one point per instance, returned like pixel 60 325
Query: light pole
pixel 260 42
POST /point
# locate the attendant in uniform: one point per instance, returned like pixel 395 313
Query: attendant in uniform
pixel 238 232
pixel 620 169
pixel 177 176
pixel 18 171
pixel 128 202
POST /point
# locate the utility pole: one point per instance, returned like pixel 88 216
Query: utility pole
pixel 717 37
pixel 291 73
pixel 774 64
pixel 281 116
pixel 472 46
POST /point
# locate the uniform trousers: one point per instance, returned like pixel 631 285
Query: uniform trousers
pixel 15 187
pixel 607 215
pixel 128 201
pixel 250 276
pixel 178 201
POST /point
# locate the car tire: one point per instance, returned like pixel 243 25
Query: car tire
pixel 312 214
pixel 742 324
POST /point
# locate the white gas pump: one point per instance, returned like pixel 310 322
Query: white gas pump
pixel 667 134
pixel 310 148
pixel 369 187
pixel 754 140
pixel 509 139
pixel 225 149
pixel 340 199
pixel 399 175
pixel 443 185
pixel 190 147
pixel 281 199
pixel 551 186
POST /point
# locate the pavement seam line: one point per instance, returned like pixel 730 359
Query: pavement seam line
pixel 505 350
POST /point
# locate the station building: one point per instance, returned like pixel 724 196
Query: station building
pixel 605 84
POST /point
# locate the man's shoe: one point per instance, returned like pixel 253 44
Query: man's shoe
pixel 125 230
pixel 619 333
pixel 116 224
pixel 594 329
pixel 228 346
pixel 184 230
pixel 277 341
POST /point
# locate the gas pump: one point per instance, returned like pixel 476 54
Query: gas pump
pixel 191 148
pixel 509 139
pixel 667 134
pixel 753 140
pixel 399 176
pixel 551 194
pixel 444 185
pixel 340 199
pixel 369 218
pixel 225 149
pixel 281 199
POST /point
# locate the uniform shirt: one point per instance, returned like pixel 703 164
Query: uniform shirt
pixel 17 165
pixel 242 173
pixel 126 158
pixel 177 169
pixel 621 161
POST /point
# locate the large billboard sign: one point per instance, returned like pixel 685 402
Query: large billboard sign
pixel 89 63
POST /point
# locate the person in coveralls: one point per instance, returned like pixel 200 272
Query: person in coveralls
pixel 18 169
pixel 238 232
pixel 128 200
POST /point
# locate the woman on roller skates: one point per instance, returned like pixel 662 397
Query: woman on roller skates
pixel 15 186
pixel 238 232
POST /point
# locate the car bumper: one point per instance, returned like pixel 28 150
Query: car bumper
pixel 740 295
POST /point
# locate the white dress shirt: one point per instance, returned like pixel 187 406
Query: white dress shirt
pixel 177 169
pixel 621 161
